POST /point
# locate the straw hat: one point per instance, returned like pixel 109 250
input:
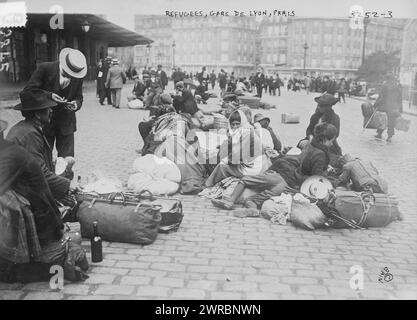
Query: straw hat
pixel 316 187
pixel 73 62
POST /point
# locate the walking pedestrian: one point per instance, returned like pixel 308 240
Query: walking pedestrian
pixel 212 79
pixel 259 82
pixel 342 90
pixel 115 80
pixel 390 102
pixel 163 76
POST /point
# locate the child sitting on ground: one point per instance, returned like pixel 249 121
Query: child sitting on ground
pixel 264 122
pixel 363 175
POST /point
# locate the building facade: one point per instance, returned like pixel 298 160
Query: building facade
pixel 194 42
pixel 216 42
pixel 408 68
pixel 159 29
pixel 324 45
pixel 273 45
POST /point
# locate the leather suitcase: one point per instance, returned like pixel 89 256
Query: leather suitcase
pixel 290 118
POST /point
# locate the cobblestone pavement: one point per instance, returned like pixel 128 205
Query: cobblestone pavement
pixel 215 255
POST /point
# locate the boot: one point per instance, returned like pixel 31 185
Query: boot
pixel 228 202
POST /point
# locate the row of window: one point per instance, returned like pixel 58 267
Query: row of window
pixel 209 58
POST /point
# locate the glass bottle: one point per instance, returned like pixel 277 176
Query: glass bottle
pixel 96 245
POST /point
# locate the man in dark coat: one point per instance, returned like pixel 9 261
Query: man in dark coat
pixel 62 80
pixel 390 102
pixel 212 79
pixel 259 82
pixel 29 134
pixel 163 76
pixel 184 101
pixel 222 81
pixel 105 92
pixel 20 172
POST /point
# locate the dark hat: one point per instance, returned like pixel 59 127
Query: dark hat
pixel 35 99
pixel 259 117
pixel 3 125
pixel 326 99
pixel 166 98
pixel 180 84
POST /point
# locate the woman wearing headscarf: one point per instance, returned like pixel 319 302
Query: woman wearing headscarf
pixel 241 153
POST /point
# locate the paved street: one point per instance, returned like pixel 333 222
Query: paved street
pixel 215 255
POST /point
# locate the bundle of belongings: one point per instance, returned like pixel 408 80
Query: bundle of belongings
pixel 160 176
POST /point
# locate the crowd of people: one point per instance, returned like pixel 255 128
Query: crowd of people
pixel 248 149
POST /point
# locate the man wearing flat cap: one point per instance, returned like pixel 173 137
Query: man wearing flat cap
pixel 62 81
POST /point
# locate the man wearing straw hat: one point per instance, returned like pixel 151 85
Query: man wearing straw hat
pixel 62 80
pixel 115 80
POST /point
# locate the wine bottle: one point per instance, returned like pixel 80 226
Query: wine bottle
pixel 96 245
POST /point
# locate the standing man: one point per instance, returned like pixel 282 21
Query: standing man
pixel 390 102
pixel 222 82
pixel 307 83
pixel 62 80
pixel 259 82
pixel 163 76
pixel 115 80
pixel 212 79
pixel 105 92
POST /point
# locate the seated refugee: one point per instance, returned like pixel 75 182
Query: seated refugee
pixel 264 123
pixel 241 154
pixel 184 103
pixel 165 124
pixel 202 92
pixel 138 91
pixel 36 109
pixel 31 228
pixel 325 114
pixel 315 156
pixel 165 106
pixel 362 174
pixel 271 183
pixel 241 88
pixel 154 87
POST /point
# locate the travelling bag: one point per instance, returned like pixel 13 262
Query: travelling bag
pixel 365 209
pixel 170 209
pixel 290 118
pixel 251 102
pixel 119 219
pixel 402 124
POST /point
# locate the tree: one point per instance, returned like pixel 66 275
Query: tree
pixel 378 64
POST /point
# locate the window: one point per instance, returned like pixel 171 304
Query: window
pixel 224 57
pixel 275 58
pixel 282 58
pixel 314 63
pixel 338 63
pixel 225 45
pixel 339 50
pixel 326 63
pixel 224 33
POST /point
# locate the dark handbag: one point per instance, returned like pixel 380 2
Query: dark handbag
pixel 170 209
pixel 119 219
